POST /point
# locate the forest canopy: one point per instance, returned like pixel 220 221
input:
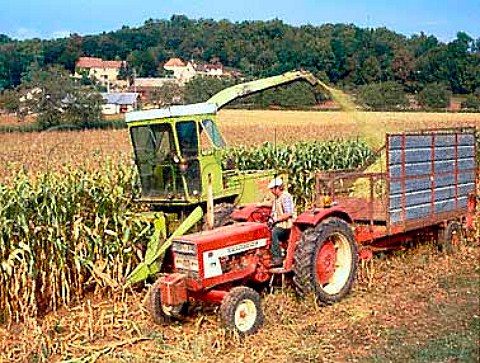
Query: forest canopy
pixel 342 54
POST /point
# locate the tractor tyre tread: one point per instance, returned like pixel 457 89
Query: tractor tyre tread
pixel 304 278
pixel 222 213
pixel 155 305
pixel 230 303
pixel 445 242
pixel 222 217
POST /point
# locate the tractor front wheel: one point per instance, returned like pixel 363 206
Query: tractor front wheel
pixel 325 261
pixel 163 314
pixel 241 311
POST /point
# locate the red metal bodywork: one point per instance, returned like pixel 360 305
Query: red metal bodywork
pixel 247 244
pixel 251 213
pixel 314 216
pixel 173 289
pixel 227 240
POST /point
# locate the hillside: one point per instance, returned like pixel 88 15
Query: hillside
pixel 341 54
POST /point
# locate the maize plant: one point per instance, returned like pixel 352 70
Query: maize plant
pixel 301 160
pixel 63 234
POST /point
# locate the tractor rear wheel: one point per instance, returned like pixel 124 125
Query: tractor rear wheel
pixel 325 261
pixel 163 314
pixel 241 311
pixel 451 238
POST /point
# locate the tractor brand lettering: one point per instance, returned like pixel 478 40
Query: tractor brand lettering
pixel 244 246
pixel 211 259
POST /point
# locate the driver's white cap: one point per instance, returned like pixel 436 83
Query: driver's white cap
pixel 275 183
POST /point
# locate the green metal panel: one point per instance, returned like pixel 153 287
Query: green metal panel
pixel 158 245
pixel 252 185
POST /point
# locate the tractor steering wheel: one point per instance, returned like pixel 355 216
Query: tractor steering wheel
pixel 259 215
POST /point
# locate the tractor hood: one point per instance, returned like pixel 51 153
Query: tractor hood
pixel 212 248
pixel 232 236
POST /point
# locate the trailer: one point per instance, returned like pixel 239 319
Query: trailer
pixel 427 189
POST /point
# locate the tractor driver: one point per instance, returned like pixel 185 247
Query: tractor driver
pixel 282 215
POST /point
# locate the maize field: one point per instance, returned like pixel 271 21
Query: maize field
pixel 67 232
pixel 64 234
pixel 66 202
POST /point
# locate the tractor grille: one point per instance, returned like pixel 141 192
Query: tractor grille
pixel 186 258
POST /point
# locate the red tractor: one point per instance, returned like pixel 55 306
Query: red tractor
pixel 218 265
pixel 427 191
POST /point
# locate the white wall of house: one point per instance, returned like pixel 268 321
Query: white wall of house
pixel 113 109
pixel 110 109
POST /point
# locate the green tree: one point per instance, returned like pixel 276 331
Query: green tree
pixel 350 56
pixel 10 101
pixel 54 96
pixel 169 94
pixel 383 96
pixel 125 73
pixel 295 95
pixel 435 96
pixel 472 102
pixel 200 89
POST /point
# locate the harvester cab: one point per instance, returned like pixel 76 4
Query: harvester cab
pixel 177 153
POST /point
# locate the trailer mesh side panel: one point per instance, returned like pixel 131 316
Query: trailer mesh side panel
pixel 429 174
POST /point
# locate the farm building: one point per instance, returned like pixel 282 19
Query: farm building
pixel 106 72
pixel 147 86
pixel 119 102
pixel 185 71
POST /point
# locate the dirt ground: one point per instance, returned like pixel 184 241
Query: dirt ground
pixel 414 305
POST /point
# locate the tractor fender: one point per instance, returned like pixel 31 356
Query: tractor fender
pixel 251 213
pixel 314 216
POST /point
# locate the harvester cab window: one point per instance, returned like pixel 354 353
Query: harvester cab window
pixel 187 138
pixel 214 133
pixel 153 142
pixel 153 148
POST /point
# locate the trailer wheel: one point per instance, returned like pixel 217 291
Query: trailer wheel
pixel 163 314
pixel 325 261
pixel 241 311
pixel 451 238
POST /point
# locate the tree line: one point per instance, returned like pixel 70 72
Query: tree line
pixel 378 65
pixel 342 54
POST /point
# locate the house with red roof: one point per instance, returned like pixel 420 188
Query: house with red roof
pixel 104 71
pixel 182 72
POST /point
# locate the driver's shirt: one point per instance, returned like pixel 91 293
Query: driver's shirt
pixel 281 205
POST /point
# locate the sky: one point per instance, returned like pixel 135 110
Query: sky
pixel 49 19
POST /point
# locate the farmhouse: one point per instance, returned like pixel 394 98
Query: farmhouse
pixel 106 72
pixel 184 72
pixel 119 102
